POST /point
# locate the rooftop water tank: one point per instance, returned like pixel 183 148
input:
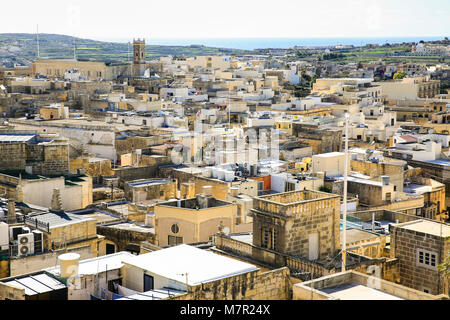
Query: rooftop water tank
pixel 220 174
pixel 229 175
pixel 69 263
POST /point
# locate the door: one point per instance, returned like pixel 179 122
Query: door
pixel 110 248
pixel 148 283
pixel 313 246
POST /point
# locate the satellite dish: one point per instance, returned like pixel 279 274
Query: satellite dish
pixel 226 230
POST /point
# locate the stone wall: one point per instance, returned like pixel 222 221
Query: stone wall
pixel 271 285
pixel 319 216
pixel 38 262
pixel 163 191
pixel 122 238
pixel 13 156
pixel 11 293
pixel 180 176
pixel 311 290
pixel 376 170
pixel 134 173
pixel 404 246
pixel 49 159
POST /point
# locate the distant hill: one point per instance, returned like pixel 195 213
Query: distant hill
pixel 21 48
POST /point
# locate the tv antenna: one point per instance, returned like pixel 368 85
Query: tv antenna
pixel 37 40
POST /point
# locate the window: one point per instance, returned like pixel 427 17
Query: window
pixel 289 186
pixel 426 259
pixel 269 238
pixel 175 228
pixel 174 241
pixel 110 248
pixel 161 193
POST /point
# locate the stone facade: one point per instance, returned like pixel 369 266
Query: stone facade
pixel 257 285
pixel 44 159
pixel 404 246
pixel 376 170
pixel 293 218
pixel 321 140
pixel 150 190
pixel 123 237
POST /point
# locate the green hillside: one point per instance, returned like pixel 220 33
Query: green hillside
pixel 22 48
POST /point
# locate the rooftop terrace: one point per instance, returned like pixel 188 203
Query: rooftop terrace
pixel 294 202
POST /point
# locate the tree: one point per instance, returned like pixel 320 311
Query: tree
pixel 399 75
pixel 444 268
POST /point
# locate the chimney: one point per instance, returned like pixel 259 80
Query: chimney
pixel 56 201
pixel 207 190
pixel 234 191
pixel 19 193
pixel 11 210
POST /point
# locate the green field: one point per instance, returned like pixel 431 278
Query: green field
pixel 55 46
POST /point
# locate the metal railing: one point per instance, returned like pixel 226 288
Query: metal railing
pixel 296 265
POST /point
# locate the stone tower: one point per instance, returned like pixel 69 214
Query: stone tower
pixel 138 57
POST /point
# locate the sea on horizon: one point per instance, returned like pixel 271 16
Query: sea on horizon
pixel 259 43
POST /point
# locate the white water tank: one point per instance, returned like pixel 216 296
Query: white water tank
pixel 229 175
pixel 4 236
pixel 234 191
pixel 385 180
pixel 220 174
pixel 207 190
pixel 208 172
pixel 69 264
pixel 214 172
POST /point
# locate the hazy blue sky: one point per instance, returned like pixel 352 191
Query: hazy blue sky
pixel 226 19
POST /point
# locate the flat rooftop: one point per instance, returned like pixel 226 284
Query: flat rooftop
pixel 442 162
pixel 36 284
pixel 99 216
pixel 146 183
pixel 200 265
pixel 95 265
pixel 196 203
pixel 354 291
pixel 132 227
pixel 428 227
pixel 329 155
pixel 355 235
pixel 293 197
pixel 59 219
pixel 156 294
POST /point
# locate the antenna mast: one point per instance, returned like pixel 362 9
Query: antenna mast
pixel 74 49
pixel 37 40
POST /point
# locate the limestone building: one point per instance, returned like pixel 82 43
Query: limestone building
pixel 138 57
pixel 34 153
pixel 420 246
pixel 193 220
pixel 300 223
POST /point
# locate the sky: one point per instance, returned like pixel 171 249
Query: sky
pixel 112 19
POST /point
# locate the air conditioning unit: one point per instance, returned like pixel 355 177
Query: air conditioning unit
pixel 25 244
pixel 38 241
pixel 14 233
pixel 4 236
